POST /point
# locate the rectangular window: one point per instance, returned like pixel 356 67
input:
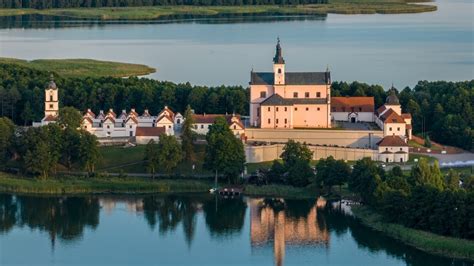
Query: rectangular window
pixel 50 106
pixel 295 95
pixel 306 94
pixel 398 129
pixel 269 121
pixel 286 121
pixel 202 126
pixel 390 129
pixel 307 109
pixel 318 95
pixel 318 108
pixel 277 120
pixel 51 98
pixel 277 109
pixel 269 109
pixel 296 109
pixel 263 94
pixel 286 109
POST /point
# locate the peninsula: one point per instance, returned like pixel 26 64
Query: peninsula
pixel 83 67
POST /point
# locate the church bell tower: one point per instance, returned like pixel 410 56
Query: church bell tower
pixel 51 103
pixel 278 66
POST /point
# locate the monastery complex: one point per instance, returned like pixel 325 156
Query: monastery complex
pixel 283 105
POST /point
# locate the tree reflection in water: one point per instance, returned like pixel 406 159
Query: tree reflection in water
pixel 63 218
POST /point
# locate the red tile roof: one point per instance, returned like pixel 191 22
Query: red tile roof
pixel 88 119
pixel 111 113
pixel 210 118
pixel 352 104
pixel 391 116
pixel 149 131
pixel 89 112
pixel 50 118
pixel 380 110
pixel 109 118
pixel 392 141
pixel 406 116
pixel 165 116
pixel 132 118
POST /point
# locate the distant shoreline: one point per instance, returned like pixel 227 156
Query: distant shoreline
pixel 348 7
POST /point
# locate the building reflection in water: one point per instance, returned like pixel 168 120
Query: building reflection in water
pixel 270 222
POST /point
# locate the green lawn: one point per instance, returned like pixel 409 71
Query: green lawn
pixel 131 160
pixel 429 242
pixel 82 67
pixel 156 12
pixel 412 157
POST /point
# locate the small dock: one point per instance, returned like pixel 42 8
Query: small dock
pixel 230 191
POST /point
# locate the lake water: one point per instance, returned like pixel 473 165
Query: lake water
pixel 193 230
pixel 382 49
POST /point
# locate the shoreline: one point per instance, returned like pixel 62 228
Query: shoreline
pixel 457 248
pixel 156 13
pixel 134 186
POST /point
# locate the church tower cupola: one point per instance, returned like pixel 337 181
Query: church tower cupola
pixel 278 66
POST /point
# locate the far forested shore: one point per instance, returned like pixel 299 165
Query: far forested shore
pixel 149 10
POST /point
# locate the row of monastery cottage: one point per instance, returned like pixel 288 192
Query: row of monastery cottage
pixel 278 100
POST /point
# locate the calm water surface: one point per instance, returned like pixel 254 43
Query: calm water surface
pixel 371 48
pixel 191 230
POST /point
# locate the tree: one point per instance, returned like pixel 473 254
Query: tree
pixel 39 160
pixel 168 153
pixel 27 115
pixel 224 152
pixel 330 172
pixel 365 178
pixel 89 153
pixel 151 157
pixel 69 117
pixel 7 129
pixel 452 180
pixel 275 175
pixel 295 151
pixel 187 135
pixel 427 143
pixel 70 146
pixel 423 174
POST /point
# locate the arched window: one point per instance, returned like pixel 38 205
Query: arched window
pixel 279 71
pixel 51 98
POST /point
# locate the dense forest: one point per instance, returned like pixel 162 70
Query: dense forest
pixel 441 110
pixel 43 4
pixel 22 95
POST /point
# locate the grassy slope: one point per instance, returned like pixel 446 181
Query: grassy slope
pixel 147 13
pixel 432 243
pixel 83 67
pixel 71 185
pixel 114 161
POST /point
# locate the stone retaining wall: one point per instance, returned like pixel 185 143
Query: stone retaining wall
pixel 265 153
